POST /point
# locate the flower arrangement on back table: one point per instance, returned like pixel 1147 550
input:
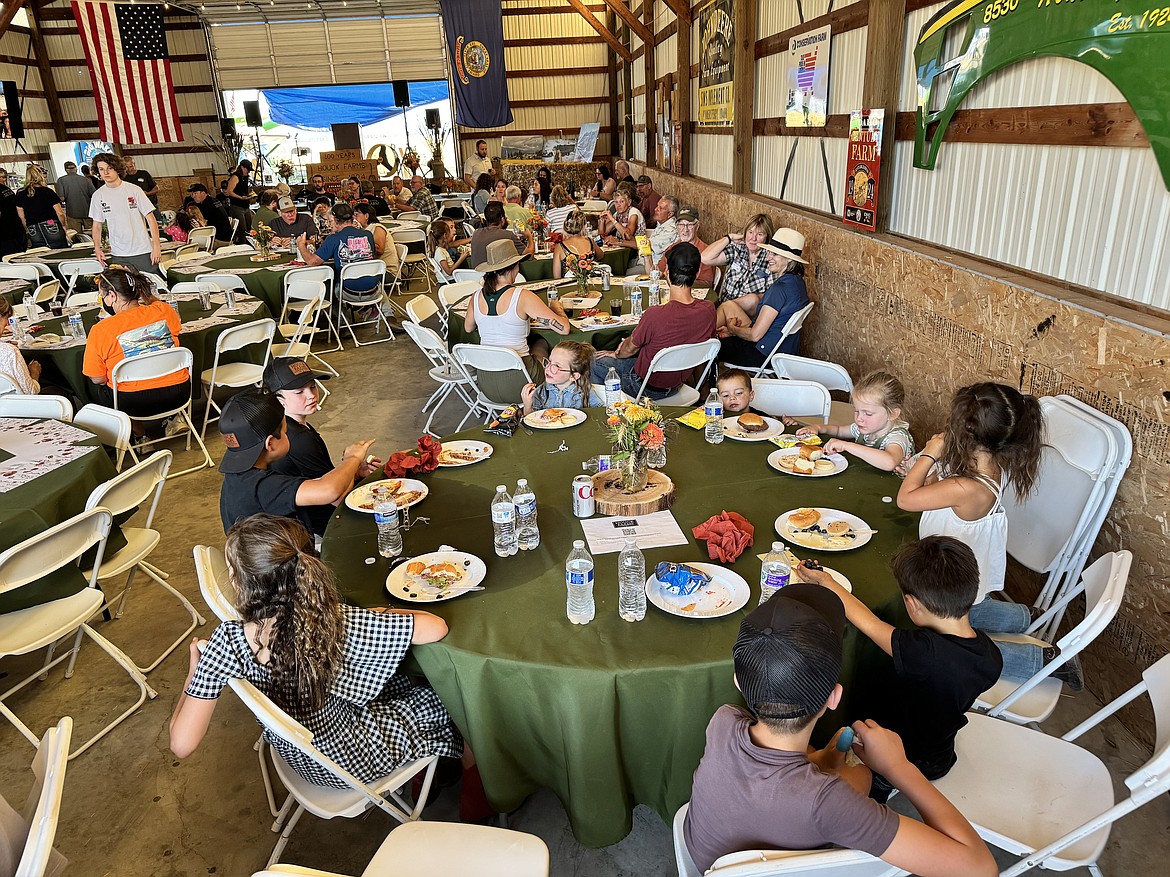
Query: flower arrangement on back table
pixel 262 235
pixel 582 268
pixel 637 431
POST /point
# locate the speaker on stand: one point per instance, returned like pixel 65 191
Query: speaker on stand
pixel 401 93
pixel 255 122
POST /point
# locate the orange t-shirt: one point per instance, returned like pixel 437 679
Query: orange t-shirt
pixel 136 330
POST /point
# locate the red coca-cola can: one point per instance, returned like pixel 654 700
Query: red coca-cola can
pixel 583 496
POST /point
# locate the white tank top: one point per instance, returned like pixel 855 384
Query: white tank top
pixel 502 330
pixel 985 536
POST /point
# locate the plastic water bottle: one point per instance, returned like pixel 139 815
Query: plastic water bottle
pixel 30 306
pixel 713 432
pixel 613 389
pixel 14 328
pixel 76 327
pixel 597 465
pixel 527 531
pixel 775 572
pixel 579 584
pixel 504 522
pixel 631 582
pixel 636 301
pixel 389 534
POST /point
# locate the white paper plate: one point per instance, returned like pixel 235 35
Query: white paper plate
pixel 727 592
pixel 402 585
pixel 360 497
pixel 818 542
pixel 840 464
pixel 794 562
pixel 537 418
pixel 589 324
pixel 480 450
pixel 732 430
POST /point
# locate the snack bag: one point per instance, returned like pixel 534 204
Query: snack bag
pixel 506 422
pixel 696 419
pixel 680 578
pixel 643 243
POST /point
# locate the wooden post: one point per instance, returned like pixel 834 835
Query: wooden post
pixel 48 84
pixel 682 111
pixel 630 20
pixel 628 106
pixel 601 29
pixel 883 68
pixel 745 93
pixel 614 113
pixel 650 95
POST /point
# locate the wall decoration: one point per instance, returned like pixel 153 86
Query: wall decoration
pixel 716 64
pixel 807 74
pixel 475 45
pixel 863 168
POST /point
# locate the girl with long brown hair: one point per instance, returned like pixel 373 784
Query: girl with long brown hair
pixel 566 380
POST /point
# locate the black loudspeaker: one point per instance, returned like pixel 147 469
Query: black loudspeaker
pixel 12 125
pixel 227 128
pixel 433 120
pixel 401 93
pixel 252 113
pixel 347 135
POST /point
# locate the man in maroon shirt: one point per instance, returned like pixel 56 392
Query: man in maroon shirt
pixel 682 320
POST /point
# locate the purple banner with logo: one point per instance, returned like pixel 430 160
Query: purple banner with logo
pixel 475 44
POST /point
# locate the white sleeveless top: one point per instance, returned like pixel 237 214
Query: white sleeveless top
pixel 985 536
pixel 502 330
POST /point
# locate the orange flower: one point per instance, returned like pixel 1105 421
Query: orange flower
pixel 652 437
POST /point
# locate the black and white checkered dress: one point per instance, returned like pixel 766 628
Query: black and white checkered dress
pixel 373 719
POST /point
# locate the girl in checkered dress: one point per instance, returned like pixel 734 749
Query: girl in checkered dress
pixel 331 666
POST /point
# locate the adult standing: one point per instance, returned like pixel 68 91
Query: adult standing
pixel 647 199
pixel 142 179
pixel 128 216
pixel 76 191
pixel 239 194
pixel 682 320
pixel 212 212
pixel 687 223
pixel 477 164
pixel 41 211
pixel 13 238
pixel 746 271
pixel 94 180
pixel 748 341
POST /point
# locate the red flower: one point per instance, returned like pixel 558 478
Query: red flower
pixel 652 437
pixel 556 237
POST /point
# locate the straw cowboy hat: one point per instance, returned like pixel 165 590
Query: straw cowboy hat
pixel 788 243
pixel 501 255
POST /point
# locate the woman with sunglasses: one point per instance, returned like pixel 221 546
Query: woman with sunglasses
pixel 139 323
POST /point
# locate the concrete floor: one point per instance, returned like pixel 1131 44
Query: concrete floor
pixel 132 809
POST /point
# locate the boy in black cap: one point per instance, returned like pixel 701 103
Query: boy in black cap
pixel 295 386
pixel 253 428
pixel 761 786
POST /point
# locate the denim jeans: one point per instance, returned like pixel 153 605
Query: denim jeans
pixel 631 380
pixel 1020 660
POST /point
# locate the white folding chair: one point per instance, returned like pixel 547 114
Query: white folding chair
pixel 41 626
pixel 792 398
pixel 462 274
pixel 83 299
pixel 790 328
pixel 236 375
pixel 223 281
pixel 594 205
pixel 394 284
pixel 445 371
pixel 71 269
pixel 420 308
pixel 300 335
pixel 423 849
pixel 764 863
pixel 1034 699
pixel 42 810
pixel 412 261
pixel 124 493
pixel 188 250
pixel 19 272
pixel 214 582
pixel 235 249
pixel 409 214
pixel 477 358
pixel 323 273
pixel 44 406
pixel 455 298
pixel 46 291
pixel 441 276
pixel 323 801
pixel 1046 798
pixel 153 365
pixel 203 238
pixel 374 297
pixel 112 427
pixel 233 226
pixel 682 357
pixel 704 291
pixel 831 376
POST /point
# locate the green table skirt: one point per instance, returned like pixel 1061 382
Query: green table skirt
pixel 542 269
pixel 610 714
pixel 266 284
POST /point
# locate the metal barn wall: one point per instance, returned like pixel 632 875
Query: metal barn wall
pixel 1015 204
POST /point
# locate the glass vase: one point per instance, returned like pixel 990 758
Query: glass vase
pixel 635 472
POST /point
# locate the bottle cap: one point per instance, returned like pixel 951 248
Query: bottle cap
pixel 500 487
pixel 777 546
pixel 578 543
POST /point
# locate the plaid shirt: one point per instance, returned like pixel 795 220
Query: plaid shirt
pixel 743 277
pixel 424 203
pixel 373 719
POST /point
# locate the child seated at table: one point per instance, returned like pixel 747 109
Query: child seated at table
pixel 255 432
pixel 941 665
pixel 735 391
pixel 760 785
pixel 566 380
pixel 295 386
pixel 878 433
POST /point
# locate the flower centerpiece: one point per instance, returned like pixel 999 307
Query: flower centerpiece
pixel 636 430
pixel 262 235
pixel 582 268
pixel 537 223
pixel 424 458
pixel 285 169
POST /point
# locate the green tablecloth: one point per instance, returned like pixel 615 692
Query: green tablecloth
pixel 63 365
pixel 266 284
pixel 53 258
pixel 542 269
pixel 14 290
pixel 42 503
pixel 610 714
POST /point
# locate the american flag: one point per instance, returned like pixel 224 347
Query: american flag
pixel 126 49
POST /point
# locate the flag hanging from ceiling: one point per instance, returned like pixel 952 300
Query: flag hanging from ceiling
pixel 126 49
pixel 475 45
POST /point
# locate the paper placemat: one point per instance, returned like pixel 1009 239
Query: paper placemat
pixel 656 530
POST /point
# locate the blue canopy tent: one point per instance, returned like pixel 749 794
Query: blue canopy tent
pixel 319 107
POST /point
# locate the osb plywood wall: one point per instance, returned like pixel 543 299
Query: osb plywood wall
pixel 940 323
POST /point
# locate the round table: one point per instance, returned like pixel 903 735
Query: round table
pixel 53 258
pixel 609 714
pixel 35 506
pixel 14 290
pixel 540 267
pixel 266 284
pixel 63 365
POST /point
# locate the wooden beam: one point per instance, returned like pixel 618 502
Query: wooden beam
pixel 682 97
pixel 883 71
pixel 601 29
pixel 614 109
pixel 48 83
pixel 628 107
pixel 553 41
pixel 503 132
pixel 1109 125
pixel 551 101
pixel 681 11
pixel 548 10
pixel 630 21
pixel 650 102
pixel 846 18
pixel 666 33
pixel 743 96
pixel 10 9
pixel 556 71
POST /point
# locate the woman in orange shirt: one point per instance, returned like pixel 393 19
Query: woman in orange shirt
pixel 139 323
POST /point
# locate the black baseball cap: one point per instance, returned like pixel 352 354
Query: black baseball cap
pixel 196 187
pixel 247 420
pixel 788 654
pixel 645 181
pixel 290 373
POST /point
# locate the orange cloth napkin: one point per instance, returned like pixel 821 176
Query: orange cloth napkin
pixel 728 535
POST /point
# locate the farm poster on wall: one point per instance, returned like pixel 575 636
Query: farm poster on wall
pixel 863 168
pixel 807 75
pixel 716 63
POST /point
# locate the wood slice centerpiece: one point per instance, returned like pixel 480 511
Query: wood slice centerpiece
pixel 611 499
